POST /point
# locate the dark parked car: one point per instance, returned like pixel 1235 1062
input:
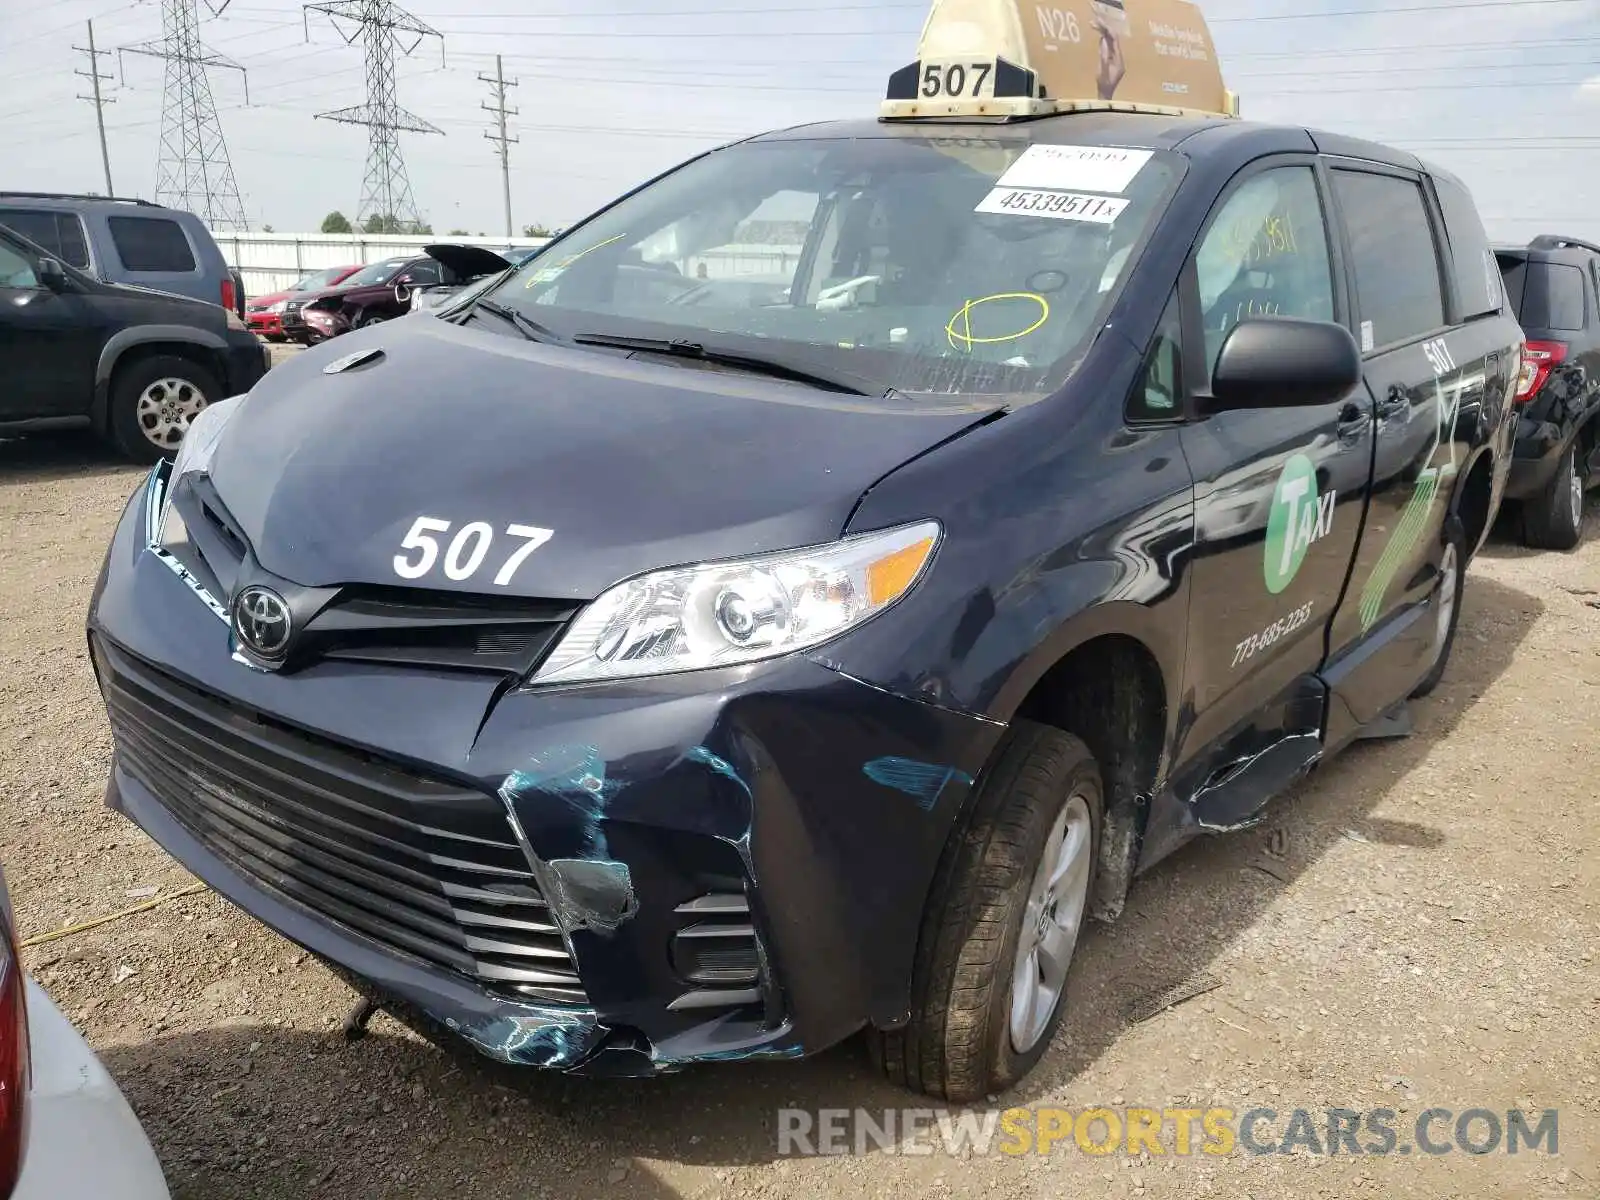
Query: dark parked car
pixel 127 241
pixel 134 365
pixel 611 684
pixel 469 267
pixel 378 292
pixel 1554 286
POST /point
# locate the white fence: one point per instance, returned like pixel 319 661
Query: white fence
pixel 271 262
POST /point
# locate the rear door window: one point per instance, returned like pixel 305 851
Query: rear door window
pixel 151 244
pixel 61 233
pixel 1477 274
pixel 1398 288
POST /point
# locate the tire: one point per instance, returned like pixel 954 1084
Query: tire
pixel 959 1045
pixel 366 318
pixel 152 402
pixel 1553 520
pixel 1453 575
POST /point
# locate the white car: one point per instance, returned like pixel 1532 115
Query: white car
pixel 66 1132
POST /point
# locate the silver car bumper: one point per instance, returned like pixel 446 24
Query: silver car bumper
pixel 84 1143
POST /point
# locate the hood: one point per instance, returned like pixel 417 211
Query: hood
pixel 467 261
pixel 262 303
pixel 634 465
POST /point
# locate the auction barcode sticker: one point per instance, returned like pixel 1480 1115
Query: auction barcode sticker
pixel 1065 206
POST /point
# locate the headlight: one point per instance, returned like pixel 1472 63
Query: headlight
pixel 278 307
pixel 199 445
pixel 727 614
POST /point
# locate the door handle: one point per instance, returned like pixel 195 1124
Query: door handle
pixel 1353 422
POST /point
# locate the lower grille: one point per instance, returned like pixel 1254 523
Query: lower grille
pixel 423 867
pixel 717 951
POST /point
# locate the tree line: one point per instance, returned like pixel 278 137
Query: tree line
pixel 337 222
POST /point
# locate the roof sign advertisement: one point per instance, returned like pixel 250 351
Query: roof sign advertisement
pixel 1018 58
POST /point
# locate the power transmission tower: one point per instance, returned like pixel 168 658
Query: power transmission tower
pixel 498 83
pixel 95 78
pixel 384 27
pixel 193 171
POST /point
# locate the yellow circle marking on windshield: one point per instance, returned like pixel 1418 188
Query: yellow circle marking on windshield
pixel 962 337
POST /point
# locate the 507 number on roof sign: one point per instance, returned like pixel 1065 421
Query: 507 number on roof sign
pixel 958 80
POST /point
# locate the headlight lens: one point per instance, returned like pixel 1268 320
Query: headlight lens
pixel 199 445
pixel 279 306
pixel 727 614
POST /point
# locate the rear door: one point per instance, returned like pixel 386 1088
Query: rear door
pixel 60 233
pixel 1279 493
pixel 1428 370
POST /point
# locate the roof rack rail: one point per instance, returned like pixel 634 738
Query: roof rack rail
pixel 76 196
pixel 1550 241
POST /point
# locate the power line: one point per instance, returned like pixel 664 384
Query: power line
pixel 498 85
pixel 1391 11
pixel 95 77
pixel 193 170
pixel 386 191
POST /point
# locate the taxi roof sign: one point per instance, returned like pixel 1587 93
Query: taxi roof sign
pixel 1024 58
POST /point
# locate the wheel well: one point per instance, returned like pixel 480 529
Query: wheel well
pixel 134 355
pixel 1472 503
pixel 1111 693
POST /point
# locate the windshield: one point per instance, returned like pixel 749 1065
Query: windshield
pixel 317 279
pixel 376 273
pixel 895 259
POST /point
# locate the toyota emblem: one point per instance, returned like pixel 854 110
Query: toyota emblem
pixel 261 621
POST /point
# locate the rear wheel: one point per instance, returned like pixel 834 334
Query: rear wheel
pixel 1446 606
pixel 153 402
pixel 1553 520
pixel 1003 923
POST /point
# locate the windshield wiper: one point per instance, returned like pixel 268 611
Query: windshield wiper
pixel 833 381
pixel 526 326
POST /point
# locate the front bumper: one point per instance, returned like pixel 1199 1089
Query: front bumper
pixel 84 1143
pixel 268 324
pixel 823 802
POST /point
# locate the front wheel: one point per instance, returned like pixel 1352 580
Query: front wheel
pixel 1002 923
pixel 153 402
pixel 1553 520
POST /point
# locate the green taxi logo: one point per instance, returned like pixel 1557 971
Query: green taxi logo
pixel 1299 517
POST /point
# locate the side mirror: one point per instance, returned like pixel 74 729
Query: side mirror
pixel 1284 362
pixel 51 275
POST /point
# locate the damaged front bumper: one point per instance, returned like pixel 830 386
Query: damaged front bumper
pixel 729 864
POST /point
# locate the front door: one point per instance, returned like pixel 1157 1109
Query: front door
pixel 1279 493
pixel 40 344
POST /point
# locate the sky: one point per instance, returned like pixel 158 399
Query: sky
pixel 1505 93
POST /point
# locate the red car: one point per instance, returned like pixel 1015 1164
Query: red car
pixel 264 314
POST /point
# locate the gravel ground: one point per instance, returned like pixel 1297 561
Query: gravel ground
pixel 1414 927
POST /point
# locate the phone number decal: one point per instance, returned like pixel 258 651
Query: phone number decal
pixel 1274 633
pixel 1064 206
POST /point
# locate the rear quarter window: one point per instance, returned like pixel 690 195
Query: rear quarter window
pixel 151 244
pixel 1552 295
pixel 61 233
pixel 1477 274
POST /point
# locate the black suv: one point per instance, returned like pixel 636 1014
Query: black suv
pixel 1554 287
pixel 749 673
pixel 134 365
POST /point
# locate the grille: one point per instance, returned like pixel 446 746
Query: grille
pixel 423 867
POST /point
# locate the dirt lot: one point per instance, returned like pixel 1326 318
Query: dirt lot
pixel 1415 928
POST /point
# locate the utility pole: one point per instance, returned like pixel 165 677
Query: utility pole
pixel 94 76
pixel 498 83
